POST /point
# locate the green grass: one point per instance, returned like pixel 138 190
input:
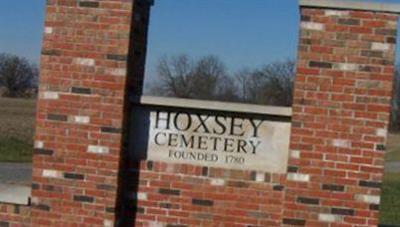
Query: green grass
pixel 390 200
pixel 393 156
pixel 15 150
pixel 17 119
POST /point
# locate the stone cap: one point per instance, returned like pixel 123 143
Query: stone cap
pixel 216 106
pixel 352 5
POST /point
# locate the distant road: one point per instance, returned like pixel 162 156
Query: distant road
pixel 392 167
pixel 16 173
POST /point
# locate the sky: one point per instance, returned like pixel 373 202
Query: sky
pixel 21 23
pixel 243 33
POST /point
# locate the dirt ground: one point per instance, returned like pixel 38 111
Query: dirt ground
pixel 17 118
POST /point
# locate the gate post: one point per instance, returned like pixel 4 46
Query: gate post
pixel 341 113
pixel 84 87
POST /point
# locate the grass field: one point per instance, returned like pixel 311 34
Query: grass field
pixel 390 200
pixel 17 119
pixel 16 137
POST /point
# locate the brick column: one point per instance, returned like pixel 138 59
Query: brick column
pixel 341 112
pixel 79 132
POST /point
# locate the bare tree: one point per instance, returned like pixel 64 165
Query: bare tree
pixel 17 75
pixel 207 78
pixel 174 76
pixel 242 81
pixel 183 77
pixel 271 85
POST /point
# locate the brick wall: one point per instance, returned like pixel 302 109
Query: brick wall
pixel 187 195
pixel 12 215
pixel 84 68
pixel 341 111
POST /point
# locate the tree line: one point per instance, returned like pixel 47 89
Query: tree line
pixel 207 78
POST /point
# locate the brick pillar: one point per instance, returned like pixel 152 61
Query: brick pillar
pixel 341 112
pixel 79 132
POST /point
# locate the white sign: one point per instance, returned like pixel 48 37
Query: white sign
pixel 218 141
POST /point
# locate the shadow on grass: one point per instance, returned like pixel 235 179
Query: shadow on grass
pixel 15 150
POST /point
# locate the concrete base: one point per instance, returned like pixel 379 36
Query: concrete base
pixel 15 194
